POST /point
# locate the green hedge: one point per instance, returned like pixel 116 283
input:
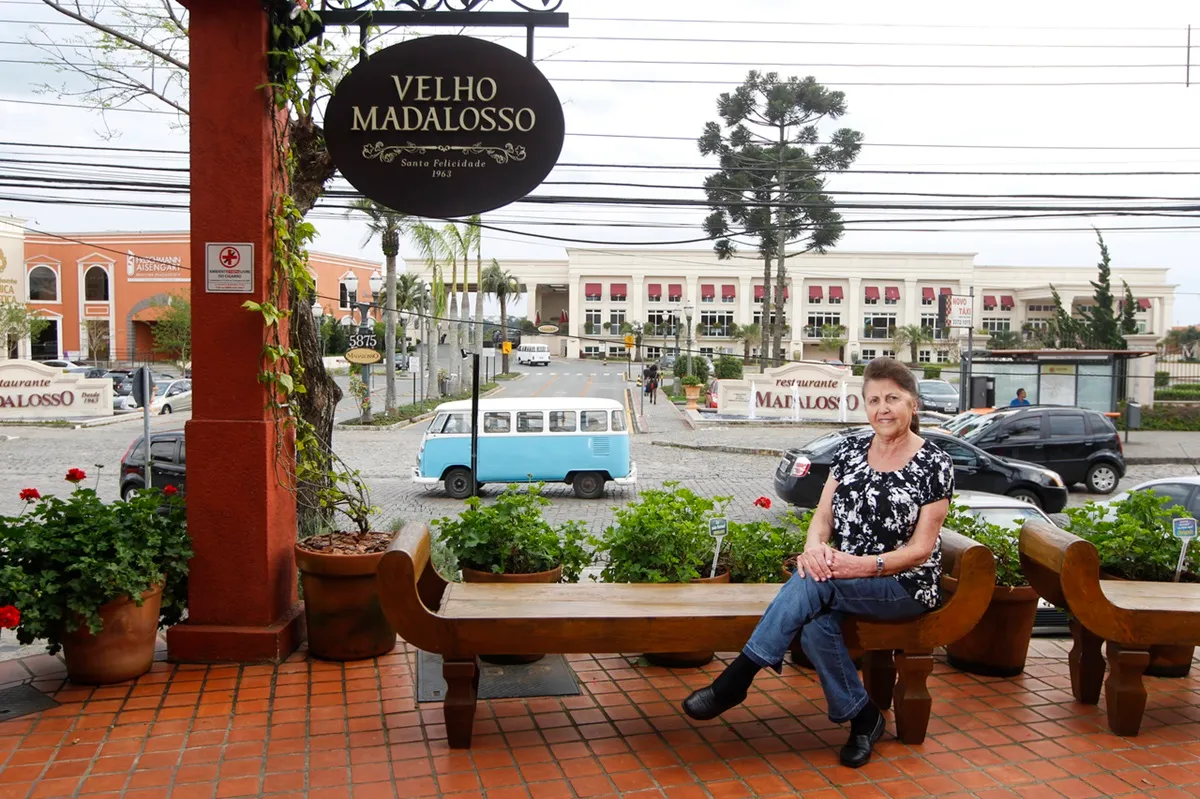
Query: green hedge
pixel 1166 417
pixel 1162 379
pixel 728 368
pixel 858 369
pixel 1177 393
pixel 933 372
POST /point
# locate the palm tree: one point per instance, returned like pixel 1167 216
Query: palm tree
pixel 430 246
pixel 751 337
pixel 387 224
pixel 409 288
pixel 912 336
pixel 456 244
pixel 501 284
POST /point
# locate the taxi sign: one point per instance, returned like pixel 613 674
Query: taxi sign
pixel 1184 529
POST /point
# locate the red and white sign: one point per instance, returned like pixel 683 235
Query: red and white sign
pixel 959 312
pixel 228 268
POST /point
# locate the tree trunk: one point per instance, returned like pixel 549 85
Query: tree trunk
pixel 389 316
pixel 503 334
pixel 764 352
pixel 461 338
pixel 314 168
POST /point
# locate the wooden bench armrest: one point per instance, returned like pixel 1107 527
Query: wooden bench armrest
pixel 1044 550
pixel 974 566
pixel 409 586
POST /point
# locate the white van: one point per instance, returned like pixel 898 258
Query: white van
pixel 533 354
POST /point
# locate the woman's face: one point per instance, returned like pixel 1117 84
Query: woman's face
pixel 889 407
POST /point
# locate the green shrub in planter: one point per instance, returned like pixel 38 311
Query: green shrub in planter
pixel 858 369
pixel 661 538
pixel 933 372
pixel 1002 543
pixel 61 559
pixel 1162 379
pixel 1136 541
pixel 699 367
pixel 509 536
pixel 728 368
pixel 693 380
pixel 755 551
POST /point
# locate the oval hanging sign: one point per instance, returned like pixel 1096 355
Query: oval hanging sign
pixel 363 355
pixel 445 126
pixel 548 328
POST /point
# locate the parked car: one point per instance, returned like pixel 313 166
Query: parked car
pixel 937 395
pixel 171 396
pixel 1082 445
pixel 666 365
pixel 1010 514
pixel 58 363
pixel 168 464
pixel 1182 492
pixel 802 472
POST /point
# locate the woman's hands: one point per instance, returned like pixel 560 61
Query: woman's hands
pixel 822 562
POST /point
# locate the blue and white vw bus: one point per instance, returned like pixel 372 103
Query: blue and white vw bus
pixel 580 441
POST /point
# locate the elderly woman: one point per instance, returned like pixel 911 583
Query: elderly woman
pixel 873 550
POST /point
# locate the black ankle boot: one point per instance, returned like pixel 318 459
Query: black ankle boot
pixel 865 729
pixel 728 690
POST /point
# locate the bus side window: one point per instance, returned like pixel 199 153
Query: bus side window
pixel 530 422
pixel 496 422
pixel 618 421
pixel 562 421
pixel 437 424
pixel 458 423
pixel 594 421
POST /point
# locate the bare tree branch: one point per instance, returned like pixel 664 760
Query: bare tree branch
pixel 93 23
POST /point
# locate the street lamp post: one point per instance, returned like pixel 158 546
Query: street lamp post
pixel 318 311
pixel 364 329
pixel 687 312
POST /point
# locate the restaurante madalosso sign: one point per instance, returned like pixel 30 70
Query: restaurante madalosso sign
pixel 801 390
pixel 31 391
pixel 445 126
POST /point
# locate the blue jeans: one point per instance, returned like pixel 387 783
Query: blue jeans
pixel 815 610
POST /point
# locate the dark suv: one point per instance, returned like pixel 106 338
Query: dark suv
pixel 168 463
pixel 1081 445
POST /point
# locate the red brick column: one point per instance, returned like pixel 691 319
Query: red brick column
pixel 242 602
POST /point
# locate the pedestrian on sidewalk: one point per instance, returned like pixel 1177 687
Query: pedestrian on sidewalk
pixel 885 500
pixel 651 382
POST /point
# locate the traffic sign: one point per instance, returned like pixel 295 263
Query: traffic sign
pixel 629 341
pixel 506 347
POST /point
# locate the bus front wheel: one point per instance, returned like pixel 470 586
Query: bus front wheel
pixel 589 485
pixel 458 483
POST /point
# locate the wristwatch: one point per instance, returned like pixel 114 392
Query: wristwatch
pixel 879 565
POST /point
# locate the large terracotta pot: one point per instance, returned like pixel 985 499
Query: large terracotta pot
pixel 1165 661
pixel 687 660
pixel 798 657
pixel 998 645
pixel 473 576
pixel 122 650
pixel 341 606
pixel 692 393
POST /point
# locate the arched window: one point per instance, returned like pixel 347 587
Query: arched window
pixel 43 284
pixel 95 285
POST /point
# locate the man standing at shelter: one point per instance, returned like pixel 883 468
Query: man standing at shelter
pixel 1019 399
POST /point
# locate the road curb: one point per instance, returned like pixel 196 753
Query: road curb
pixel 732 450
pixel 1152 461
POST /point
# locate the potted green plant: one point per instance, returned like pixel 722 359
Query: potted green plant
pixel 691 389
pixel 999 644
pixel 663 538
pixel 337 567
pixel 1134 540
pixel 761 551
pixel 508 540
pixel 95 579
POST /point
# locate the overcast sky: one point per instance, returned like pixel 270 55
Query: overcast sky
pixel 867 49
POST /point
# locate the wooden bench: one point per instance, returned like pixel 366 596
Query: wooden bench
pixel 459 621
pixel 1131 616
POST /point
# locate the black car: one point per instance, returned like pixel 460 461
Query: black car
pixel 937 395
pixel 167 467
pixel 802 472
pixel 1081 445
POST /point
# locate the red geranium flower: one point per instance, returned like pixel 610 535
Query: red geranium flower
pixel 76 476
pixel 170 491
pixel 10 617
pixel 763 502
pixel 29 494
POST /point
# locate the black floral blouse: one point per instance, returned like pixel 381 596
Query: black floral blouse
pixel 876 512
